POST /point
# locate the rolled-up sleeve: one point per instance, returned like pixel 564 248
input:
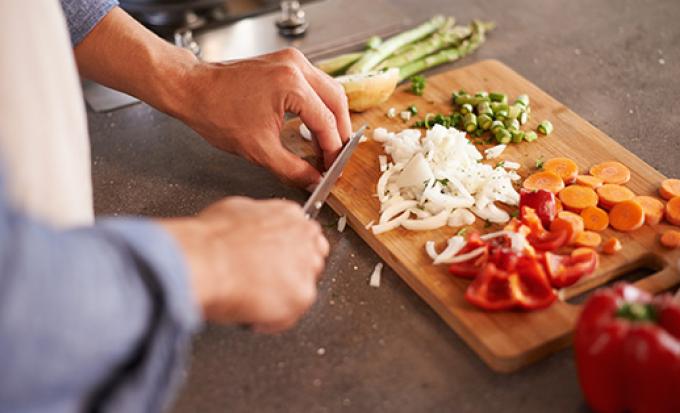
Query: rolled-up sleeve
pixel 83 15
pixel 91 319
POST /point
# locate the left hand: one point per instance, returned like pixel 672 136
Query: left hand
pixel 239 107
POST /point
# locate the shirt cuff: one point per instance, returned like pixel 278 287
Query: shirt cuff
pixel 162 254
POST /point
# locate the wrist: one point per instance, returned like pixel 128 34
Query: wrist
pixel 173 77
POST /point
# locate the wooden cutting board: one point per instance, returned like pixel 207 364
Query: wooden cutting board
pixel 506 341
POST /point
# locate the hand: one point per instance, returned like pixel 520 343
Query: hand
pixel 254 262
pixel 239 107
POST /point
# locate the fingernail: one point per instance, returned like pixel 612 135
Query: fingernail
pixel 311 187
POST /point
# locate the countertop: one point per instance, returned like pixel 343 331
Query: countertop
pixel 614 62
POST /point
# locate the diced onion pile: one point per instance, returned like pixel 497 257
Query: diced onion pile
pixel 439 180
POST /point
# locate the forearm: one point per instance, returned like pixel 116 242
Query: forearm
pixel 122 54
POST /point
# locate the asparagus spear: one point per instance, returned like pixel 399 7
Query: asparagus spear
pixel 372 58
pixel 448 55
pixel 336 65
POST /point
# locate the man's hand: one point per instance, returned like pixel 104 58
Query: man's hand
pixel 254 262
pixel 237 106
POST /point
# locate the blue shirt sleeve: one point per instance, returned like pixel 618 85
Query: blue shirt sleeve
pixel 91 319
pixel 83 15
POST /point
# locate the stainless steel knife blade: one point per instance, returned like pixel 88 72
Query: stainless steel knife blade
pixel 318 197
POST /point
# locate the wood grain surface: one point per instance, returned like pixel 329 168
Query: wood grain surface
pixel 506 341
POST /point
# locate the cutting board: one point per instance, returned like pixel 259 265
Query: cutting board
pixel 506 341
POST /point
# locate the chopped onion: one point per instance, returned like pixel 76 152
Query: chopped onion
pixel 390 225
pixel 461 217
pixel 391 113
pixel 395 209
pixel 370 224
pixel 375 275
pixel 305 132
pixel 511 165
pixel 467 256
pixel 453 247
pixel 494 152
pixel 382 161
pixel 342 223
pixel 363 139
pixel 431 250
pixel 381 135
pixel 425 224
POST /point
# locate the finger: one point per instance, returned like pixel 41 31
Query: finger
pixel 318 118
pixel 322 245
pixel 290 168
pixel 333 95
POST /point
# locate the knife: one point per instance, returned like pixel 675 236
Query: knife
pixel 318 197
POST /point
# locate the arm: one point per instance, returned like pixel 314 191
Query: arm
pixel 227 103
pixel 102 316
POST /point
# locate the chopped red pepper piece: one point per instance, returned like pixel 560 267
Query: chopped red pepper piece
pixel 627 346
pixel 541 201
pixel 565 270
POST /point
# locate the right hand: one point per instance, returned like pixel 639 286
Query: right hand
pixel 252 262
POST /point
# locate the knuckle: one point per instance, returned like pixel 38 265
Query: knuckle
pixel 292 53
pixel 306 297
pixel 287 73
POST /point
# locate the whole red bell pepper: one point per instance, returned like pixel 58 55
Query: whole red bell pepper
pixel 627 346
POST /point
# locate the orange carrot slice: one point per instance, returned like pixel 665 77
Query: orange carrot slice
pixel 612 194
pixel 578 197
pixel 673 210
pixel 565 168
pixel 669 188
pixel 588 239
pixel 670 239
pixel 558 206
pixel 589 180
pixel 611 172
pixel 627 216
pixel 653 209
pixel 546 180
pixel 611 246
pixel 595 219
pixel 569 222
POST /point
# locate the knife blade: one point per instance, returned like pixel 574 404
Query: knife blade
pixel 318 197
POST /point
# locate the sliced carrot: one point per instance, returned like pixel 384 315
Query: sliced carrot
pixel 546 180
pixel 612 194
pixel 569 222
pixel 673 210
pixel 653 209
pixel 669 188
pixel 565 168
pixel 595 219
pixel 578 197
pixel 670 239
pixel 558 206
pixel 611 172
pixel 588 239
pixel 589 180
pixel 627 216
pixel 612 246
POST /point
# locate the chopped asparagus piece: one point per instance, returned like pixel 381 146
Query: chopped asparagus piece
pixel 413 109
pixel 512 124
pixel 470 122
pixel 503 136
pixel 502 115
pixel 466 108
pixel 485 121
pixel 522 100
pixel 484 108
pixel 496 126
pixel 530 136
pixel 523 117
pixel 417 85
pixel 517 136
pixel 498 97
pixel 373 42
pixel 545 127
pixel 514 111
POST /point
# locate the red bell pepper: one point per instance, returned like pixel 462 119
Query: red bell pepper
pixel 627 346
pixel 541 201
pixel 526 287
pixel 471 267
pixel 565 270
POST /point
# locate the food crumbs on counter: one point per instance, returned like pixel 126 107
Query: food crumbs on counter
pixel 375 276
pixel 363 139
pixel 317 382
pixel 342 223
pixel 355 268
pixel 321 351
pixel 391 113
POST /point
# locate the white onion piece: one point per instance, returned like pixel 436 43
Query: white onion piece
pixel 511 165
pixel 425 224
pixel 492 213
pixel 461 217
pixel 431 250
pixel 363 139
pixel 467 256
pixel 381 135
pixel 369 225
pixel 342 223
pixel 492 235
pixel 305 132
pixel 415 173
pixel 453 247
pixel 375 275
pixel 382 160
pixel 390 225
pixel 518 242
pixel 494 152
pixel 396 208
pixel 382 184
